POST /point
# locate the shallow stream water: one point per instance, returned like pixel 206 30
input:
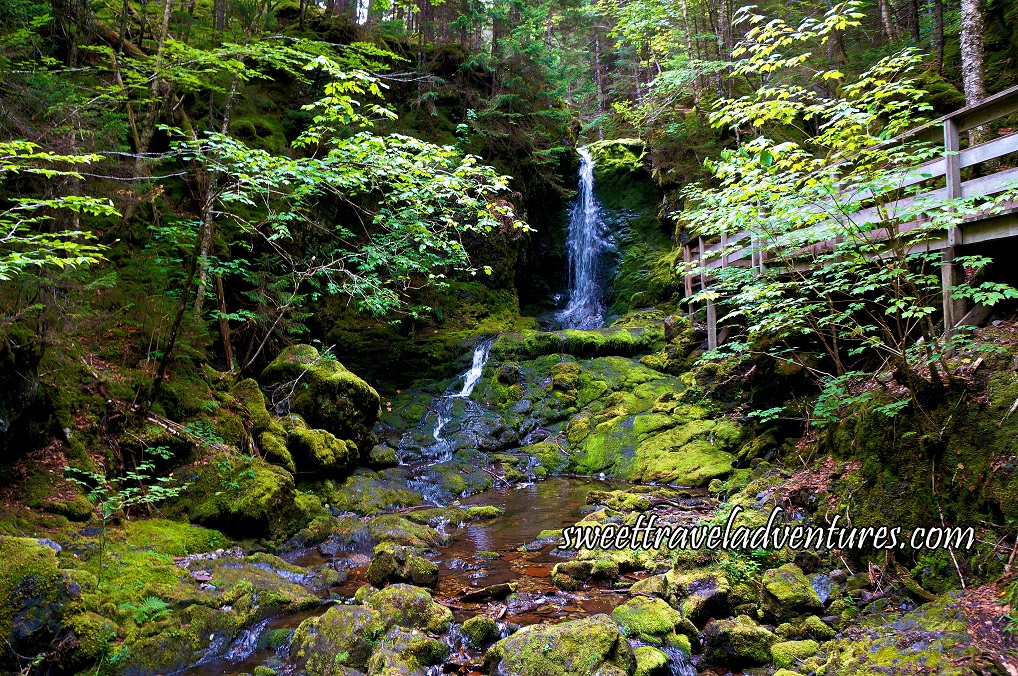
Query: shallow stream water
pixel 529 509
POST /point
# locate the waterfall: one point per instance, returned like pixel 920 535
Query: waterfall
pixel 586 244
pixel 471 377
pixel 440 450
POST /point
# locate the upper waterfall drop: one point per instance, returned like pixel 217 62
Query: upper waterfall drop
pixel 587 244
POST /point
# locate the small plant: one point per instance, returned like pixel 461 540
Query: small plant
pixel 740 568
pixel 111 496
pixel 152 608
pixel 1011 599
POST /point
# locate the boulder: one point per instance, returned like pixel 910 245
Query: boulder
pixel 481 630
pixel 789 653
pixel 592 646
pixel 738 643
pixel 404 652
pixel 647 618
pixel 786 593
pixel 342 637
pixel 397 563
pixel 324 393
pixel 410 607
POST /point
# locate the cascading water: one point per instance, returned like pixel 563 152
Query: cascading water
pixel 440 450
pixel 587 244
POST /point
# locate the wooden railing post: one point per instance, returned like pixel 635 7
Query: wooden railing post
pixel 949 273
pixel 712 315
pixel 687 259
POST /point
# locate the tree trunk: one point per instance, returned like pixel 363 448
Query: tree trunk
pixel 938 34
pixel 972 58
pixel 913 20
pixel 887 19
pixel 599 79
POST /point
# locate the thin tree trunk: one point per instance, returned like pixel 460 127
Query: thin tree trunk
pixel 887 19
pixel 697 84
pixel 938 34
pixel 599 79
pixel 972 58
pixel 913 20
pixel 224 324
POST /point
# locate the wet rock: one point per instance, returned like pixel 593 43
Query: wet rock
pixel 703 594
pixel 410 607
pixel 404 652
pixel 570 575
pixel 33 592
pixel 481 630
pixel 494 592
pixel 651 662
pixel 592 646
pixel 395 563
pixel 342 637
pixel 786 593
pixel 647 618
pixel 738 643
pixel 790 653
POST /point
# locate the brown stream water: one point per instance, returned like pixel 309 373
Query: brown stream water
pixel 529 509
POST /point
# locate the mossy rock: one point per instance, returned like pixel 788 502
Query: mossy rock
pixel 738 643
pixel 318 451
pixel 481 630
pixel 786 593
pixel 648 618
pixel 790 653
pixel 323 393
pixel 406 651
pixel 397 530
pixel 570 575
pixel 243 496
pixel 651 662
pixel 34 592
pixel 394 563
pixel 815 628
pixel 484 512
pixel 342 637
pixel 368 493
pixel 592 646
pixel 410 607
pixel 930 639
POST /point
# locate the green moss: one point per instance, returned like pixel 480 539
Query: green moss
pixel 485 512
pixel 738 643
pixel 367 492
pixel 786 593
pixel 647 618
pixel 33 590
pixel 394 563
pixel 790 653
pixel 651 662
pixel 815 628
pixel 406 652
pixel 410 607
pixel 592 645
pixel 325 394
pixel 342 637
pixel 318 451
pixel 480 630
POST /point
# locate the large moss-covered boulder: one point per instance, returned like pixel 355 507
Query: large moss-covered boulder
pixel 648 618
pixel 396 563
pixel 319 451
pixel 324 393
pixel 786 593
pixel 243 496
pixel 410 607
pixel 342 637
pixel 592 646
pixel 32 593
pixel 738 643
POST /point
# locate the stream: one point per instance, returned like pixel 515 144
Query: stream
pixel 530 509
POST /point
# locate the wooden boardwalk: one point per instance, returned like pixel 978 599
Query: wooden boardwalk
pixel 741 249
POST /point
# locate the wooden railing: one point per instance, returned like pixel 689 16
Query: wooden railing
pixel 741 249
